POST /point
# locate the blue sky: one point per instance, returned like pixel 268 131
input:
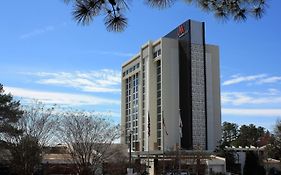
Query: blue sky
pixel 45 55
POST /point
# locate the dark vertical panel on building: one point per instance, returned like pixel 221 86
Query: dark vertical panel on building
pixel 205 79
pixel 185 93
pixel 195 36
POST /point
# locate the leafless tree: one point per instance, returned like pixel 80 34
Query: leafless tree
pixel 88 138
pixel 36 126
pixel 39 121
pixel 85 11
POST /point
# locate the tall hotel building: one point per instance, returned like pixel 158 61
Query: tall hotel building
pixel 171 93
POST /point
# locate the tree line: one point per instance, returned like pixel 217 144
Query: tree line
pixel 26 131
pixel 251 135
pixel 247 136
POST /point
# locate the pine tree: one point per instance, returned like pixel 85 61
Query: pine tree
pixel 10 113
pixel 252 165
pixel 85 11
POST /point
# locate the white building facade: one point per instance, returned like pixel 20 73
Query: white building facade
pixel 171 93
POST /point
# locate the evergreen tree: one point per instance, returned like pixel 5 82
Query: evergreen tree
pixel 252 165
pixel 229 133
pixel 25 155
pixel 10 113
pixel 249 135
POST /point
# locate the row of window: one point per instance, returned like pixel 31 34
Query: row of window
pixel 131 69
pixel 143 102
pixel 135 106
pixel 159 111
pixel 132 107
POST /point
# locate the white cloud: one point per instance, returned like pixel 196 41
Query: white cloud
pixel 107 113
pixel 42 30
pixel 104 80
pixel 257 79
pixel 242 98
pixel 60 98
pixel 37 32
pixel 273 79
pixel 252 112
pixel 238 79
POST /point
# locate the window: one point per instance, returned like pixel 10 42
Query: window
pixel 159 142
pixel 158 63
pixel 158 70
pixel 158 125
pixel 154 55
pixel 156 50
pixel 159 52
pixel 159 94
pixel 158 101
pixel 158 117
pixel 159 86
pixel 158 109
pixel 159 133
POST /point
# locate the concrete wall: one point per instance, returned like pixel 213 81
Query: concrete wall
pixel 170 92
pixel 152 97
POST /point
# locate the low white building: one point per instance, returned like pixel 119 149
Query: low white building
pixel 216 165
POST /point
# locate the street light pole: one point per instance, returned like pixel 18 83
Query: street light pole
pixel 130 150
pixel 163 142
pixel 180 136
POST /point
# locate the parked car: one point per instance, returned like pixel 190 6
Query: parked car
pixel 181 173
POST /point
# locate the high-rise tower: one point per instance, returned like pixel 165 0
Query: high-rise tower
pixel 171 92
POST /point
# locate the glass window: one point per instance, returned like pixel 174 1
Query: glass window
pixel 158 70
pixel 159 52
pixel 158 101
pixel 159 117
pixel 156 47
pixel 154 54
pixel 159 133
pixel 158 63
pixel 158 125
pixel 158 109
pixel 159 142
pixel 158 93
pixel 159 86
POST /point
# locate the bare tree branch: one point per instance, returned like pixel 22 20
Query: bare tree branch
pixel 88 138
